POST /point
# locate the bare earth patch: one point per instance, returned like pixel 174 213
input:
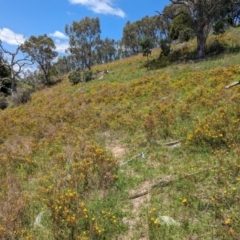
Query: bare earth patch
pixel 137 225
pixel 113 145
pixel 117 150
pixel 138 228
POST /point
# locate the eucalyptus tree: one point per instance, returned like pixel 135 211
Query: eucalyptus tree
pixel 164 20
pixel 235 6
pixel 145 28
pixel 229 16
pixel 65 64
pixel 130 38
pixel 62 66
pixel 121 50
pixel 84 37
pixel 41 50
pixel 12 67
pixel 202 12
pixel 106 51
pixel 149 29
pixel 231 12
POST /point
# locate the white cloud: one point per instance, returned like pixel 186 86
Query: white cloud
pixel 60 42
pixel 100 6
pixel 8 36
pixel 61 46
pixel 58 34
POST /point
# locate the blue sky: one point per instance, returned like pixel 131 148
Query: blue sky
pixel 24 18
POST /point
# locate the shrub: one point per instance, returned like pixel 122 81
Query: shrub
pixel 185 34
pixel 215 47
pixel 88 75
pixel 146 45
pixel 165 46
pixel 22 95
pixel 3 102
pixel 219 27
pixel 74 77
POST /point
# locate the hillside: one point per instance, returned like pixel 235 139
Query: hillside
pixel 144 153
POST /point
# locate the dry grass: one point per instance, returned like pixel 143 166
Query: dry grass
pixel 60 153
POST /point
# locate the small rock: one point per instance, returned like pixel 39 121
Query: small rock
pixel 168 221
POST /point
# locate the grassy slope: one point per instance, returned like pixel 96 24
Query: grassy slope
pixel 60 153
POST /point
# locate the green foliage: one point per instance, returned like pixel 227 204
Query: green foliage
pixel 84 37
pixel 165 47
pixel 74 77
pixel 136 32
pixel 215 47
pixel 41 50
pixel 65 64
pixel 71 158
pixel 6 86
pixel 3 101
pixel 185 35
pixel 219 27
pixel 22 95
pixel 181 28
pixel 106 51
pixel 88 75
pixel 130 38
pixel 14 65
pixel 146 45
pixel 4 72
pixel 202 14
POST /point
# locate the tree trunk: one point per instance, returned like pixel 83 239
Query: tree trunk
pixel 13 87
pixel 201 35
pixel 46 74
pixel 88 66
pixel 201 43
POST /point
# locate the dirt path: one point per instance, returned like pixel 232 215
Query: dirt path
pixel 138 229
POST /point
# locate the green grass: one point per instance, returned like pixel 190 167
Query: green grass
pixel 62 154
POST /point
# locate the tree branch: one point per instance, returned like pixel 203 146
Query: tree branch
pixel 13 63
pixel 165 183
pixel 232 84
